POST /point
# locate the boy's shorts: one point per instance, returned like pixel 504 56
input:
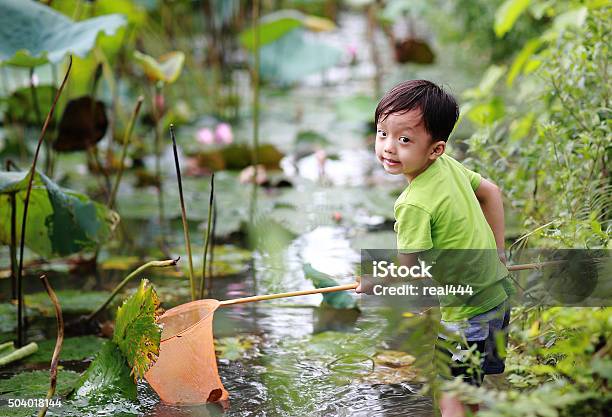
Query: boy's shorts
pixel 483 333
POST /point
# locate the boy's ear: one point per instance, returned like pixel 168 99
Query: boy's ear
pixel 437 149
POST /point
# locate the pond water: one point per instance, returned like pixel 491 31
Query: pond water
pixel 288 357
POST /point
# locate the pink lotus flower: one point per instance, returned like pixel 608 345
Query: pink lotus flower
pixel 351 49
pixel 205 136
pixel 223 133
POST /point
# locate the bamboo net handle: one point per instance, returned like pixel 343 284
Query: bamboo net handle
pixel 289 294
pixel 534 265
pixel 352 287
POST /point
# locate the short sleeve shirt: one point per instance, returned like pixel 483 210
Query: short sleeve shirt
pixel 439 211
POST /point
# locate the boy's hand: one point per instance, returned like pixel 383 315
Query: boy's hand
pixel 365 285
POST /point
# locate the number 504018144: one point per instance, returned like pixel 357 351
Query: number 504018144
pixel 34 402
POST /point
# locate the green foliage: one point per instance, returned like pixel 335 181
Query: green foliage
pixel 73 349
pixel 108 376
pixel 271 28
pixel 235 347
pixel 33 34
pixel 549 146
pixel 507 13
pixel 558 366
pixel 133 349
pixel 72 301
pixel 337 300
pixel 34 385
pixel 60 221
pixel 136 332
pixel 474 24
pixel 294 56
pixel 275 25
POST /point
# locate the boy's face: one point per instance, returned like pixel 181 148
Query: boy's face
pixel 403 146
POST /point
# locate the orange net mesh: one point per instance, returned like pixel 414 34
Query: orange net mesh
pixel 186 371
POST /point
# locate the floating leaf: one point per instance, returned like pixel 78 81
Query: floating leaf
pixel 234 348
pixel 35 384
pixel 82 125
pixel 107 376
pixel 32 34
pixel 136 332
pixel 72 301
pixel 167 68
pixel 338 300
pixel 73 349
pixel 393 367
pixel 60 221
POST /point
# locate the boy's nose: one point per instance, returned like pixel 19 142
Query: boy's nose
pixel 389 147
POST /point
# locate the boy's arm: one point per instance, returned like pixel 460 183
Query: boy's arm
pixel 490 197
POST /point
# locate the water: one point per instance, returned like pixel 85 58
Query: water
pixel 304 360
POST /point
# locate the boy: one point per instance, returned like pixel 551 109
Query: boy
pixel 446 207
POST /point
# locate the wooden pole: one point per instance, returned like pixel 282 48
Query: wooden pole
pixel 353 286
pixel 289 294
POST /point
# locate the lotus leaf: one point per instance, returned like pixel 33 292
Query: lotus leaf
pixel 136 333
pixel 33 34
pixel 60 221
pixel 73 348
pixel 72 301
pixel 272 27
pixel 107 376
pixel 338 300
pixel 294 56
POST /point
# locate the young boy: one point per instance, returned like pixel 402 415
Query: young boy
pixel 446 207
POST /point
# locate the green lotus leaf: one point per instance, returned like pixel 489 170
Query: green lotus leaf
pixel 337 300
pixel 276 25
pixel 60 221
pixel 107 377
pixel 167 68
pixel 136 332
pixel 32 34
pixel 294 56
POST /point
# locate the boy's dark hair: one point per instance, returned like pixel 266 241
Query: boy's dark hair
pixel 440 110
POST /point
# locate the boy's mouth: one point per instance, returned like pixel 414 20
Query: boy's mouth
pixel 390 162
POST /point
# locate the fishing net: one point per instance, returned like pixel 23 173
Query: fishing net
pixel 186 371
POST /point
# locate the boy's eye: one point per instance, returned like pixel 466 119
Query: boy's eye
pixel 404 139
pixel 381 133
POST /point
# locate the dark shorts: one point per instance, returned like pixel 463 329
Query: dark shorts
pixel 482 335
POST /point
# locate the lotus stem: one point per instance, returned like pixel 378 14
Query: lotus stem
pixel 20 335
pixel 212 247
pixel 126 139
pixel 119 287
pixel 207 237
pixel 19 354
pixel 255 81
pixel 6 346
pixel 58 344
pixel 158 177
pixel 183 214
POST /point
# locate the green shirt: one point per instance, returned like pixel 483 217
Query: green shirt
pixel 439 211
